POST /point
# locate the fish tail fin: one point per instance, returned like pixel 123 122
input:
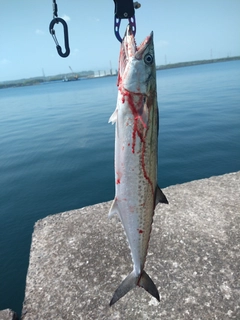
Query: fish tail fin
pixel 131 281
pixel 146 282
pixel 128 284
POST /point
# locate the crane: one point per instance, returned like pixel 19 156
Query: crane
pixel 75 75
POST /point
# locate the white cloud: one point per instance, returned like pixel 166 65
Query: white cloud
pixel 66 18
pixel 94 19
pixel 75 52
pixel 4 62
pixel 39 32
pixel 162 44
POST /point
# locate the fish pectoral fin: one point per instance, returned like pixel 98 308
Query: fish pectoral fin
pixel 143 115
pixel 160 196
pixel 113 117
pixel 146 282
pixel 114 209
pixel 128 283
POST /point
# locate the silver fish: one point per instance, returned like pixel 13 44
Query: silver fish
pixel 136 140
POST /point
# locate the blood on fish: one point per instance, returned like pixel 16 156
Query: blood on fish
pixel 135 106
pixel 140 231
pixel 119 174
pixel 138 126
pixel 144 169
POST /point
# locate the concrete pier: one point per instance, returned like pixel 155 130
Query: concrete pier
pixel 78 259
pixel 8 314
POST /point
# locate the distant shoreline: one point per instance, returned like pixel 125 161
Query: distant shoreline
pixel 90 74
pixel 195 63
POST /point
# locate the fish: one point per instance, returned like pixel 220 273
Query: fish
pixel 136 121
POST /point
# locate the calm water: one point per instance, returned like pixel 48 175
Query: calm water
pixel 56 149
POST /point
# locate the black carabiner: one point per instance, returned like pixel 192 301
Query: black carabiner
pixel 65 31
pixel 124 9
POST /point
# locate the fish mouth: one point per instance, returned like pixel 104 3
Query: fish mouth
pixel 130 47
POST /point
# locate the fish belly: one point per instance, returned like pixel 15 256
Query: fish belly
pixel 135 174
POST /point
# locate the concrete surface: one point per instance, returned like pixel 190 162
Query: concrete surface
pixel 78 259
pixel 8 314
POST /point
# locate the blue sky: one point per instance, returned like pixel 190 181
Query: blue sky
pixel 184 30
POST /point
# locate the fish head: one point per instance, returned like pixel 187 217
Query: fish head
pixel 137 70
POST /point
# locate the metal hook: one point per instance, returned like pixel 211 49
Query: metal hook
pixel 65 30
pixel 124 9
pixel 117 22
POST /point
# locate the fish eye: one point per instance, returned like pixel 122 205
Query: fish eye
pixel 148 59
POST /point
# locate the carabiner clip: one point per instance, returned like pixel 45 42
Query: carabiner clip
pixel 117 22
pixel 65 31
pixel 124 9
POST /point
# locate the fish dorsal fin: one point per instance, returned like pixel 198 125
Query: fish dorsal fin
pixel 114 209
pixel 160 196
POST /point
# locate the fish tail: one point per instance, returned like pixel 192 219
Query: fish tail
pixel 146 282
pixel 131 281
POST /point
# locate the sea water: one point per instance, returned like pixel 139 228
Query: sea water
pixel 57 149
